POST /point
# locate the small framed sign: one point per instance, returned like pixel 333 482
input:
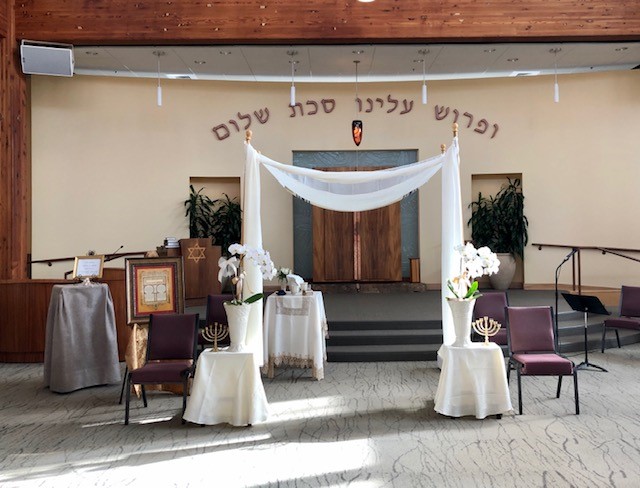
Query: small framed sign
pixel 88 267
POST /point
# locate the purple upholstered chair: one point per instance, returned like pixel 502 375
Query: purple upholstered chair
pixel 629 313
pixel 215 315
pixel 171 353
pixel 532 348
pixel 492 304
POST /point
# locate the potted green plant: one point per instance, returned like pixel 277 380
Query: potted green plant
pixel 499 223
pixel 226 222
pixel 199 210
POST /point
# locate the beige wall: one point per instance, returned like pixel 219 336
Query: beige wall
pixel 112 168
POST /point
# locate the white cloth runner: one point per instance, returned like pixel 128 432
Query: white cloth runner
pixel 295 328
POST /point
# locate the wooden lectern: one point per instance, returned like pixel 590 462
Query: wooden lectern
pixel 200 260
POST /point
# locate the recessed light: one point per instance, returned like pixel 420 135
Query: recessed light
pixel 358 52
pixel 366 1
pixel 490 50
pixel 93 53
pixel 513 60
pixel 619 49
pixel 198 61
pixel 225 53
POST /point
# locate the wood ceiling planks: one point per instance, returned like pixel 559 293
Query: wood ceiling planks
pixel 291 21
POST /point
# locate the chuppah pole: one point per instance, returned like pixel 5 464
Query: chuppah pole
pixel 247 135
pixel 455 129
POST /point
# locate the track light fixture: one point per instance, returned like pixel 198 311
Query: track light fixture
pixel 292 93
pixel 424 53
pixel 158 54
pixel 556 88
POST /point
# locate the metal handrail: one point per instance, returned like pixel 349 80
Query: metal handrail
pixel 616 251
pixel 49 262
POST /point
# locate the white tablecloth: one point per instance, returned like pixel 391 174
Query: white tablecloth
pixel 473 381
pixel 227 387
pixel 295 328
pixel 81 347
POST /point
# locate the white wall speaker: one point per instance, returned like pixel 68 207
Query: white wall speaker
pixel 40 58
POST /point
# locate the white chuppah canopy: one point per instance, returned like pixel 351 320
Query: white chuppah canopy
pixel 353 191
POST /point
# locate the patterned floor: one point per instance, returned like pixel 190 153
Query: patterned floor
pixel 364 425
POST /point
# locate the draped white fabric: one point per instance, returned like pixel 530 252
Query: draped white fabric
pixel 252 236
pixel 353 191
pixel 452 233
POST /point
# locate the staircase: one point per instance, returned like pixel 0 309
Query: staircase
pixel 412 340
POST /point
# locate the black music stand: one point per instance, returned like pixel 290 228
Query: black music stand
pixel 586 304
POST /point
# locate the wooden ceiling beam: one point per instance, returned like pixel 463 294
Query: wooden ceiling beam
pixel 146 22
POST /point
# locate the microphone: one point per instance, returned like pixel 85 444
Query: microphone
pixel 573 251
pixel 109 257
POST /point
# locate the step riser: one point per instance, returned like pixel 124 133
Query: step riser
pixel 566 347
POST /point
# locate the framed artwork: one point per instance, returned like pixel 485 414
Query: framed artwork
pixel 154 285
pixel 88 267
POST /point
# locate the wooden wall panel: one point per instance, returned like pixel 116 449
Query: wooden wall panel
pixel 291 21
pixel 15 164
pixel 23 310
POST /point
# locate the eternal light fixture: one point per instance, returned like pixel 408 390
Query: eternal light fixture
pixel 292 94
pixel 356 125
pixel 556 88
pixel 424 53
pixel 159 90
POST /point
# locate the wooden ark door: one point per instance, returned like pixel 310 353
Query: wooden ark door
pixel 380 247
pixel 357 246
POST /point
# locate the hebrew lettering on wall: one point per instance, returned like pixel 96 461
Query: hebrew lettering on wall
pixel 328 104
pixel 242 121
pixel 481 126
pixel 222 131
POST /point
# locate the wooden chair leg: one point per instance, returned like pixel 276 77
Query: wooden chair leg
pixel 124 380
pixel 519 391
pixel 128 399
pixel 604 334
pixel 618 338
pixel 559 386
pixel 575 388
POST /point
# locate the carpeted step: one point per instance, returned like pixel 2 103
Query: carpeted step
pixel 335 325
pixel 382 337
pixel 382 353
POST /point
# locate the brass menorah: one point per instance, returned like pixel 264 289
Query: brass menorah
pixel 214 333
pixel 486 327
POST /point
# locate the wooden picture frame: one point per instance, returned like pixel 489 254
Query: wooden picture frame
pixel 88 267
pixel 154 285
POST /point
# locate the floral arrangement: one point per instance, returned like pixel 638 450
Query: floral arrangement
pixel 282 273
pixel 473 263
pixel 232 266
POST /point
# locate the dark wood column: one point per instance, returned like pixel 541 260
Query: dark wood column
pixel 15 161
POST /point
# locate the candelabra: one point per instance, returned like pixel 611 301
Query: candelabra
pixel 486 327
pixel 214 333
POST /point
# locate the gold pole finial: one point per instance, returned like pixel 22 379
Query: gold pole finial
pixel 455 129
pixel 248 135
pixel 443 148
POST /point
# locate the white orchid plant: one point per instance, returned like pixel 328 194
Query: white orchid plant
pixel 283 272
pixel 473 264
pixel 233 265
